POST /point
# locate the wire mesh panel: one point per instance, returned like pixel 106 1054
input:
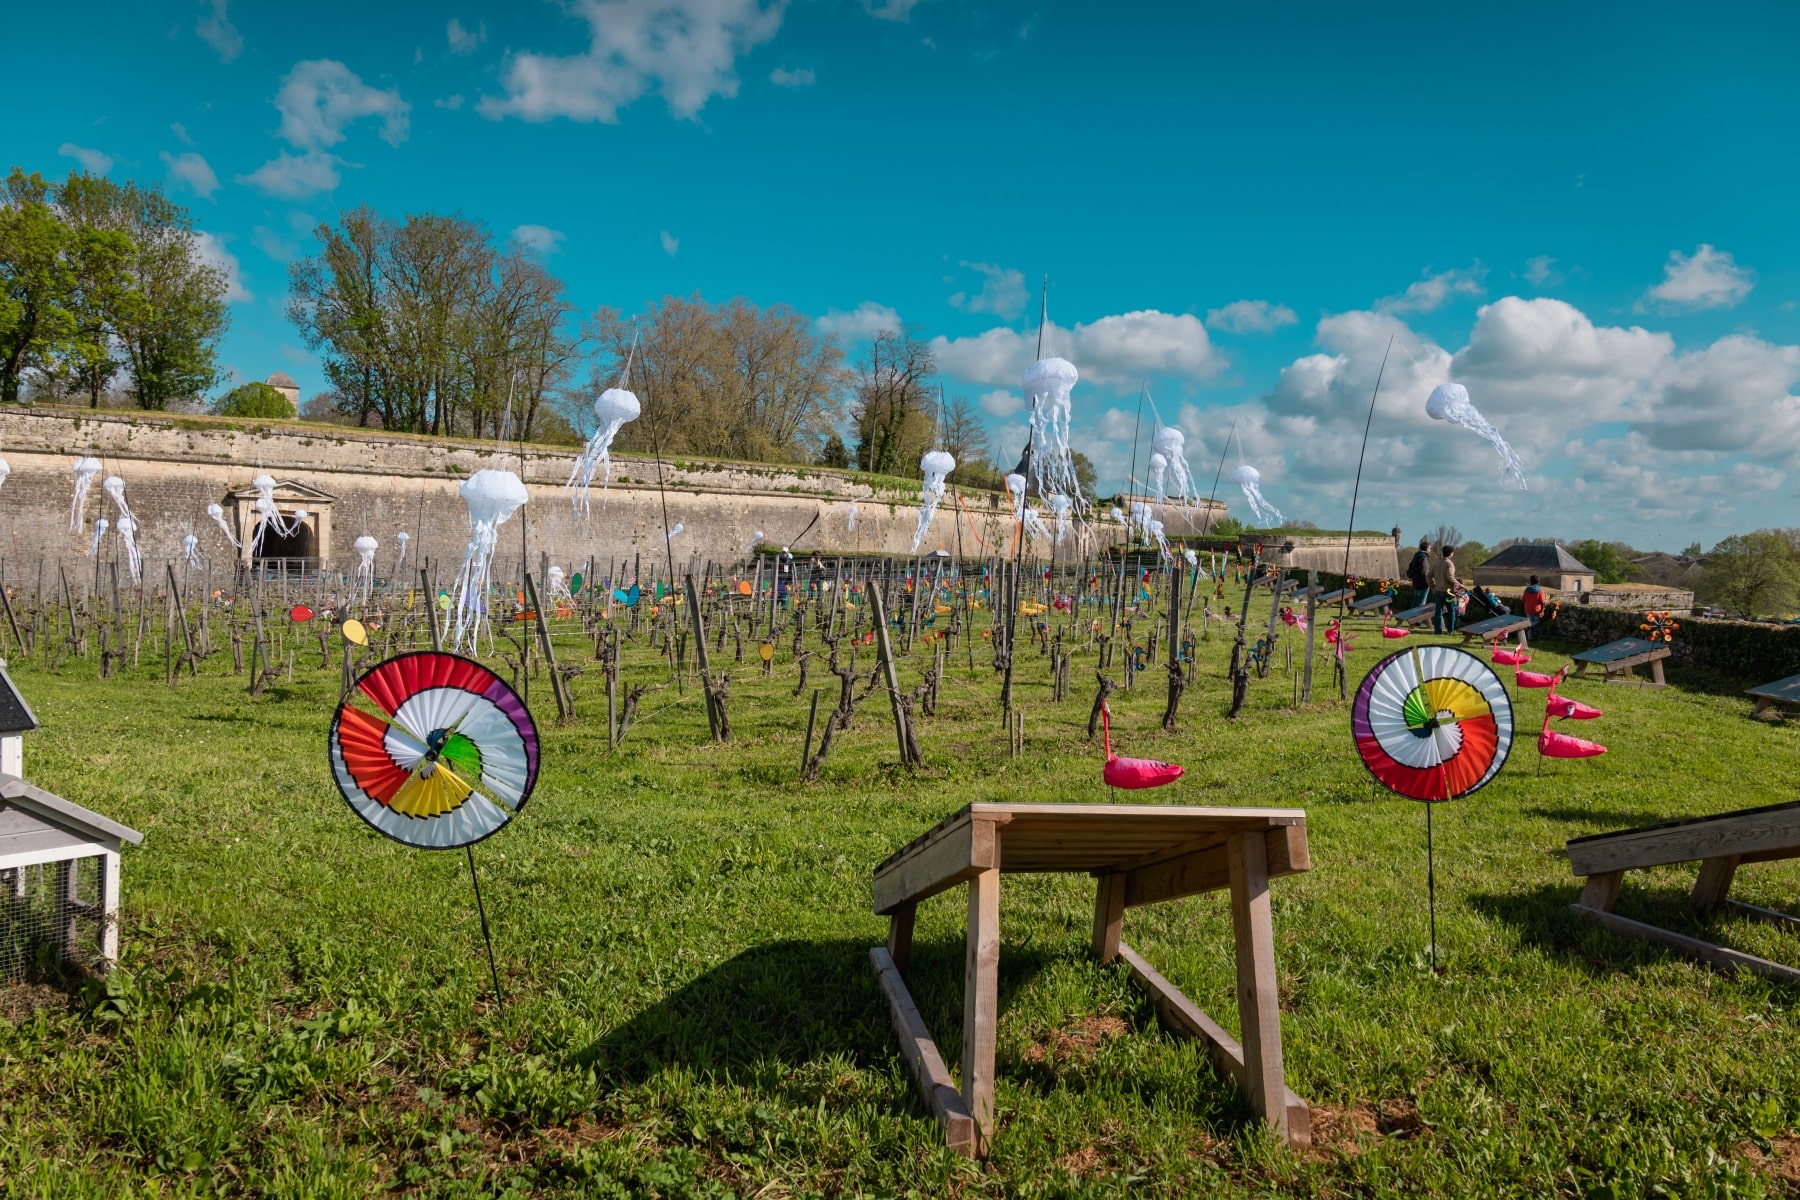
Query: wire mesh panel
pixel 49 914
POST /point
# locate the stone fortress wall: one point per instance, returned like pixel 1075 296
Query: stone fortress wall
pixel 355 481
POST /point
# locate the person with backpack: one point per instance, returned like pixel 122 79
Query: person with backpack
pixel 1418 573
pixel 1444 586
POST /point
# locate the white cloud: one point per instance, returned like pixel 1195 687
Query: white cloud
pixel 686 50
pixel 94 162
pixel 273 244
pixel 1001 404
pixel 1434 291
pixel 465 41
pixel 1002 292
pixel 1708 278
pixel 890 10
pixel 1251 316
pixel 670 243
pixel 540 240
pixel 217 31
pixel 1735 395
pixel 293 176
pixel 213 253
pixel 1538 270
pixel 321 96
pixel 453 103
pixel 860 323
pixel 1116 349
pixel 180 131
pixel 193 172
pixel 782 77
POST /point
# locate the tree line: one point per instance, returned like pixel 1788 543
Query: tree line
pixel 104 283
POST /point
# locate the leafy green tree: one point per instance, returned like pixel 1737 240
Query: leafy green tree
pixel 37 282
pixel 99 251
pixel 1608 559
pixel 1471 554
pixel 834 453
pixel 254 400
pixel 1752 573
pixel 1086 478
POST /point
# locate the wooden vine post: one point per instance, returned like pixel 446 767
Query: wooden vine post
pixel 893 681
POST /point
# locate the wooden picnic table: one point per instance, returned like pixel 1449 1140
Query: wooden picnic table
pixel 1721 843
pixel 1494 629
pixel 1139 854
pixel 1370 604
pixel 1416 615
pixel 1618 659
pixel 1782 691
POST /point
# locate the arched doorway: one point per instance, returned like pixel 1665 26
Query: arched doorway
pixel 302 543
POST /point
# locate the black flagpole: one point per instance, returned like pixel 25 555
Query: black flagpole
pixel 485 937
pixel 1431 883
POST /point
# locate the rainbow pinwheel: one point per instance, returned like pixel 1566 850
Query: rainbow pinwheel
pixel 449 760
pixel 1432 723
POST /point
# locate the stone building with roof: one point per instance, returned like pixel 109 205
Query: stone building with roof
pixel 1553 565
pixel 284 383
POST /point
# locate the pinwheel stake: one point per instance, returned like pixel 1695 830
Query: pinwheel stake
pixel 1432 723
pixel 448 758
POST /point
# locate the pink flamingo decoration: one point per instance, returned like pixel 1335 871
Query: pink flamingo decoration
pixel 1510 658
pixel 1393 631
pixel 1534 679
pixel 1132 773
pixel 1554 744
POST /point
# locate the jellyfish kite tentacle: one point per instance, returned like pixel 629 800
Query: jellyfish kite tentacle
pixel 115 487
pixel 403 538
pixel 1049 384
pixel 1450 402
pixel 190 552
pixel 1171 444
pixel 492 498
pixel 1250 479
pixel 1159 470
pixel 217 514
pixel 365 547
pixel 134 559
pixel 101 525
pixel 85 469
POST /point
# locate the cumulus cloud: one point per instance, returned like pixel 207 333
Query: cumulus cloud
pixel 211 250
pixel 1251 316
pixel 1115 349
pixel 1735 395
pixel 217 31
pixel 890 10
pixel 1708 278
pixel 539 240
pixel 293 176
pixel 1434 291
pixel 94 162
pixel 684 50
pixel 782 77
pixel 860 323
pixel 1540 270
pixel 321 96
pixel 465 41
pixel 670 243
pixel 192 172
pixel 1002 291
pixel 1001 404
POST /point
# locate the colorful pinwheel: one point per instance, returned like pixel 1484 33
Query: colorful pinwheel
pixel 1432 723
pixel 451 757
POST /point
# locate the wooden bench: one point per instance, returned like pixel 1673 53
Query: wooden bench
pixel 1371 604
pixel 1140 854
pixel 1417 615
pixel 1618 659
pixel 1721 844
pixel 1782 691
pixel 1495 629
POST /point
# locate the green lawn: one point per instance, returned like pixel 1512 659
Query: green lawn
pixel 682 933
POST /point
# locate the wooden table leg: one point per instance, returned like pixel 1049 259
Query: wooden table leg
pixel 981 1000
pixel 900 935
pixel 1601 891
pixel 1656 671
pixel 1259 1007
pixel 1714 883
pixel 1109 916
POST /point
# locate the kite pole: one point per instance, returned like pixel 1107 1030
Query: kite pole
pixel 1369 421
pixel 482 909
pixel 1223 450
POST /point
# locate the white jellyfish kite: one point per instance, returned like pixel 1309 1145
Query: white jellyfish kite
pixel 5 470
pixel 1060 507
pixel 850 518
pixel 1250 479
pixel 190 551
pixel 493 497
pixel 404 538
pixel 365 547
pixel 755 541
pixel 1023 514
pixel 115 487
pixel 935 467
pixel 1155 529
pixel 1159 470
pixel 133 557
pixel 218 515
pixel 1118 514
pixel 612 409
pixel 101 525
pixel 271 516
pixel 85 470
pixel 1048 383
pixel 559 587
pixel 1450 402
pixel 1171 444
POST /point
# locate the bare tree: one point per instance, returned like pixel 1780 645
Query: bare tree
pixel 893 409
pixel 961 432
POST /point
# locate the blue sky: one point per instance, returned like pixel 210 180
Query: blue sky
pixel 1582 213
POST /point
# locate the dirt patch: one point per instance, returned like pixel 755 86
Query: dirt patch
pixel 23 1001
pixel 1347 1131
pixel 1781 1162
pixel 1076 1042
pixel 1080 1162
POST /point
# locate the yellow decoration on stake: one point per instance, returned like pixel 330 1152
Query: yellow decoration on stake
pixel 354 632
pixel 767 651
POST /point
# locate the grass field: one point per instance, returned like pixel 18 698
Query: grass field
pixel 682 932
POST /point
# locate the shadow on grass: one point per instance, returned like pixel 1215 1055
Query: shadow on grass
pixel 1613 818
pixel 795 1002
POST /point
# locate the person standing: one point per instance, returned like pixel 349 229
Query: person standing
pixel 1418 573
pixel 1533 599
pixel 1444 584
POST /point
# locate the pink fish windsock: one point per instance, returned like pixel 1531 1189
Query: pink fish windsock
pixel 1510 658
pixel 1534 679
pixel 1567 709
pixel 1552 744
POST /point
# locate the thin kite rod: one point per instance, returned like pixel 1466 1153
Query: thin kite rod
pixel 1369 421
pixel 1223 451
